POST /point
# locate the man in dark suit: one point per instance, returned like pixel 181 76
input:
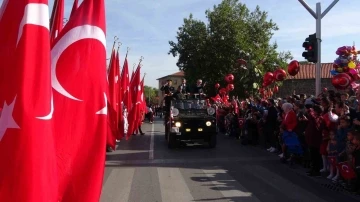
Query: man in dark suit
pixel 184 88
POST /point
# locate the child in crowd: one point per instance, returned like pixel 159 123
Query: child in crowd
pixel 332 156
pixel 350 147
pixel 342 136
pixel 346 156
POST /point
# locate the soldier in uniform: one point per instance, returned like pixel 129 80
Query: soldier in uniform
pixel 169 90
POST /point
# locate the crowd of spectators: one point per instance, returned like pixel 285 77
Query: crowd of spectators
pixel 323 133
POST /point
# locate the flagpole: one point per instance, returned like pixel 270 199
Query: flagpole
pixel 141 59
pixel 127 51
pixel 119 44
pixel 115 39
pixel 144 76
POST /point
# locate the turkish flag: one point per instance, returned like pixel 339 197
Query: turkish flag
pixel 125 85
pixel 143 109
pixel 79 80
pixel 346 171
pixel 134 112
pixel 57 20
pixel 75 6
pixel 124 94
pixel 112 104
pixel 27 155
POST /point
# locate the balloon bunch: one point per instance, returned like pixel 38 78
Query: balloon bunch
pixel 270 78
pixel 346 67
pixel 229 79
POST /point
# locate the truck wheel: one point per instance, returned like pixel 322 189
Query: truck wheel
pixel 171 141
pixel 213 141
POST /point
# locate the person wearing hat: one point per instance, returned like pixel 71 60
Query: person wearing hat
pixel 168 88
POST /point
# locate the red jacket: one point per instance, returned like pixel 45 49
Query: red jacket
pixel 290 121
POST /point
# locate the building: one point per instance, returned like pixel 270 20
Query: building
pixel 176 78
pixel 304 81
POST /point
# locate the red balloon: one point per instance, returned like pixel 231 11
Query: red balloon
pixel 279 75
pixel 229 78
pixel 222 91
pixel 276 89
pixel 341 81
pixel 265 84
pixel 217 86
pixel 354 77
pixel 293 67
pixel 261 91
pixel 230 87
pixel 269 78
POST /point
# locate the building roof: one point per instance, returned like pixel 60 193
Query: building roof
pixel 307 71
pixel 177 74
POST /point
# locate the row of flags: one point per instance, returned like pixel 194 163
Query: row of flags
pixel 126 96
pixel 57 103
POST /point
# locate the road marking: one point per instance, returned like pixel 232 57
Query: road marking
pixel 196 160
pixel 172 185
pixel 151 151
pixel 285 186
pixel 118 185
pixel 227 185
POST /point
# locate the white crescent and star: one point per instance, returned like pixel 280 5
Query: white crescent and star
pixel 7 119
pixel 104 110
pixel 346 84
pixel 36 14
pixel 345 168
pixel 81 32
pixel 2 8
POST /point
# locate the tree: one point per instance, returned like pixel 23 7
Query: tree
pixel 209 51
pixel 151 95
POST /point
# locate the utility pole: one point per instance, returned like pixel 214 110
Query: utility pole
pixel 318 16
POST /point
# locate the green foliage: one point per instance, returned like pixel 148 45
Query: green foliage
pixel 151 95
pixel 210 50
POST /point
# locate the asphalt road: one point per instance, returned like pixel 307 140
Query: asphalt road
pixel 143 169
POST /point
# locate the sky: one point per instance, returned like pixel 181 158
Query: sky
pixel 146 26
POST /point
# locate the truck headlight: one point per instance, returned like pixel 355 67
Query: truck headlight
pixel 178 124
pixel 208 123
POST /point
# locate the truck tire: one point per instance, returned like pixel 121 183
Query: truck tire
pixel 213 141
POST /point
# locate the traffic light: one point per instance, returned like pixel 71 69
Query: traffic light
pixel 311 47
